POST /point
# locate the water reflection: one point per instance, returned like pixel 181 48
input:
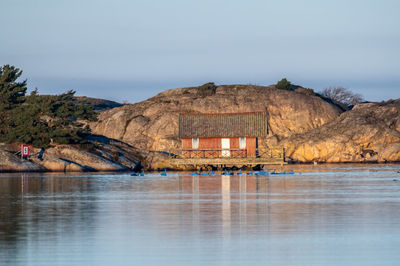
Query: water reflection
pixel 114 219
pixel 36 208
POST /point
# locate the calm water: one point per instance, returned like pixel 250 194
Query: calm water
pixel 326 215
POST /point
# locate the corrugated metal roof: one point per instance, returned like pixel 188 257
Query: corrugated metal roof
pixel 252 124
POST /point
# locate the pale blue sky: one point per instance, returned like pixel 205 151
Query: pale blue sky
pixel 129 50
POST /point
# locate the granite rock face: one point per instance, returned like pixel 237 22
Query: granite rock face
pixel 99 154
pixel 153 124
pixel 10 162
pixel 368 133
pixel 308 127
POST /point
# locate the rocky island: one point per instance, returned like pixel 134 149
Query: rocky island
pixel 310 128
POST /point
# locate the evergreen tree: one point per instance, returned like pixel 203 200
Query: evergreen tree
pixel 11 92
pixel 284 84
pixel 39 119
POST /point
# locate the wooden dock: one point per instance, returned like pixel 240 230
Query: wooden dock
pixel 249 161
pixel 237 157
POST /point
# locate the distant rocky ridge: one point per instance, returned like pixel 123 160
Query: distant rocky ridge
pixel 98 104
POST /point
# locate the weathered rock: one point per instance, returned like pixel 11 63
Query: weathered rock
pixel 9 162
pixel 98 154
pixel 311 130
pixel 69 158
pixel 368 133
pixel 153 124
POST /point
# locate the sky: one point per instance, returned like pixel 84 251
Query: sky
pixel 130 50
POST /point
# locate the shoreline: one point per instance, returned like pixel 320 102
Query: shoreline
pixel 293 165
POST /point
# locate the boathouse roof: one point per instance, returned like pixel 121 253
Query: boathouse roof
pixel 196 125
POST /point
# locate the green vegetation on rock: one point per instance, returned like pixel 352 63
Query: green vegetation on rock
pixel 207 89
pixel 284 84
pixel 39 120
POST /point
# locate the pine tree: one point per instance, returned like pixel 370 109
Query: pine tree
pixel 39 119
pixel 11 92
pixel 284 84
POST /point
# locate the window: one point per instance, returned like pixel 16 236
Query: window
pixel 242 143
pixel 195 143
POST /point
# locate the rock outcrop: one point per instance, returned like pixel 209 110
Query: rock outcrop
pixel 143 134
pixel 311 129
pixel 10 162
pixel 98 154
pixel 153 124
pixel 368 133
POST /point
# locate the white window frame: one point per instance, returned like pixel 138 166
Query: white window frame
pixel 195 143
pixel 242 143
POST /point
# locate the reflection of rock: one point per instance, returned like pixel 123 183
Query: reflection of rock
pixel 369 132
pixel 153 124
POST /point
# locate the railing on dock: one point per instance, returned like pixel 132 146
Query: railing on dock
pixel 270 155
pixel 214 153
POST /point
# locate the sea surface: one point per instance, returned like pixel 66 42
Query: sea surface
pixel 322 215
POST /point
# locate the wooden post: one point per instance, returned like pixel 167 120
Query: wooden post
pixel 267 119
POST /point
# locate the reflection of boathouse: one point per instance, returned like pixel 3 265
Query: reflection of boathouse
pixel 226 139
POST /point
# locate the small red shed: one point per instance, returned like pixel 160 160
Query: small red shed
pixel 222 135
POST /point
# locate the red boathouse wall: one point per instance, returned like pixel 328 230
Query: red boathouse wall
pixel 215 143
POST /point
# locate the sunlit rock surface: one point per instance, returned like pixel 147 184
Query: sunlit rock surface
pixel 308 127
pixel 101 154
pixel 10 162
pixel 368 133
pixel 153 124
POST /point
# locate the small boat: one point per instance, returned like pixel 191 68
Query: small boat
pixel 250 173
pixel 164 173
pixel 227 173
pixel 240 172
pixel 282 173
pixel 137 174
pixel 262 173
pixel 210 172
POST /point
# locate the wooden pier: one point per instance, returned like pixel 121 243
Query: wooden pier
pixel 205 158
pixel 227 161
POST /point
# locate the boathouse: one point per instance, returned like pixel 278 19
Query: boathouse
pixel 226 139
pixel 222 135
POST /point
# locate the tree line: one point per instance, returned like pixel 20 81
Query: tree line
pixel 40 120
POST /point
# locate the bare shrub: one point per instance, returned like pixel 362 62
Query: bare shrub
pixel 342 95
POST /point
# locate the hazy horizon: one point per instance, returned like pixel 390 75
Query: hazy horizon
pixel 131 50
